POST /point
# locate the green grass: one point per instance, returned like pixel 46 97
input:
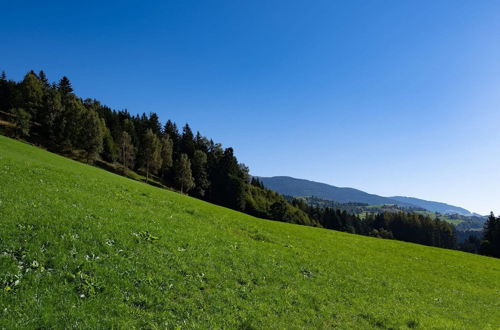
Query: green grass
pixel 84 248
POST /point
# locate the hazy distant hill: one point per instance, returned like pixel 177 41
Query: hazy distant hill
pixel 433 206
pixel 299 187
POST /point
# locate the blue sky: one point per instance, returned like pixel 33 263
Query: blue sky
pixel 392 97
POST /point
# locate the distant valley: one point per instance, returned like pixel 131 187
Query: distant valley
pixel 302 188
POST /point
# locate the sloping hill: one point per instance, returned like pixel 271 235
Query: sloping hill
pixel 84 248
pixel 299 187
pixel 433 206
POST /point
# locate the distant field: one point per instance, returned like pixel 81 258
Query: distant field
pixel 84 248
pixel 441 217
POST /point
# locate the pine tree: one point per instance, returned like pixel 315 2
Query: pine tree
pixel 65 86
pixel 490 245
pixel 183 175
pixel 154 124
pixel 43 79
pixel 200 175
pixel 171 130
pixel 6 93
pixel 187 141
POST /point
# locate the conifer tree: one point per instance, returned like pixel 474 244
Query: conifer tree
pixel 171 130
pixel 43 79
pixel 200 175
pixel 154 124
pixel 65 86
pixel 187 141
pixel 490 245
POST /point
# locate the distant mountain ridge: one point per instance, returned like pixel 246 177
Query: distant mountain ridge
pixel 299 187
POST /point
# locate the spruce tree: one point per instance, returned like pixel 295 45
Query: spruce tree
pixel 490 244
pixel 43 79
pixel 154 124
pixel 187 141
pixel 65 86
pixel 200 175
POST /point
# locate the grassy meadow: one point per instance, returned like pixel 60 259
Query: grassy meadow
pixel 83 248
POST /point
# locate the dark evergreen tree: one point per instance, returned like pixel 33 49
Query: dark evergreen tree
pixel 187 141
pixel 200 176
pixel 154 124
pixel 490 245
pixel 65 86
pixel 43 79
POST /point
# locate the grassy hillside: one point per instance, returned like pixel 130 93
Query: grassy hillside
pixel 81 247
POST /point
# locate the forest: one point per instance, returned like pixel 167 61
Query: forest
pixel 50 115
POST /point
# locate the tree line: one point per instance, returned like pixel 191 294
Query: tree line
pixel 403 226
pixel 52 116
pixel 488 243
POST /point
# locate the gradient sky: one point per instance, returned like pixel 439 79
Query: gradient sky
pixel 391 97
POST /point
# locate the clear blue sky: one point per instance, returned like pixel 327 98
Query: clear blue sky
pixel 392 97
